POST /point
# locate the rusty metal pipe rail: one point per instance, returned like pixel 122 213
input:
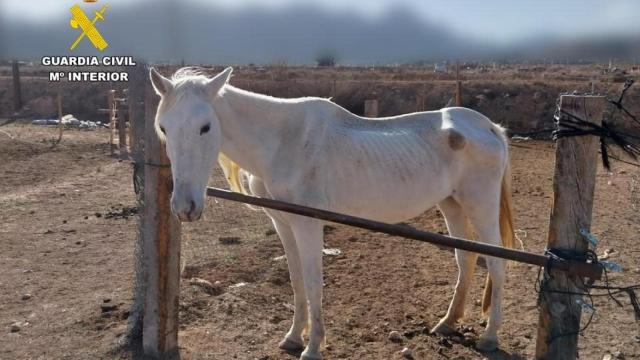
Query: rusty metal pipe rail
pixel 593 271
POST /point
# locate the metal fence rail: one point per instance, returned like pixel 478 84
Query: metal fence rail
pixel 593 271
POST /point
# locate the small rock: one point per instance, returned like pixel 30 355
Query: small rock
pixel 270 232
pixel 331 252
pixel 207 286
pixel 406 353
pixel 618 355
pixel 98 215
pixel 26 296
pixel 395 337
pixel 15 327
pixel 108 306
pixel 607 357
pixel 482 322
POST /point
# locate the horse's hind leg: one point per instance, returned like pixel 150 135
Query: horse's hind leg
pixel 458 226
pixel 293 341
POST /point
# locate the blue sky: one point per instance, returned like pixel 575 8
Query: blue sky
pixel 500 21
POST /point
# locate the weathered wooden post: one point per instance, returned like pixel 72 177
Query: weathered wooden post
pixel 60 126
pixel 458 85
pixel 131 129
pixel 138 80
pixel 161 246
pixel 111 94
pixel 17 90
pixel 333 89
pixel 573 187
pixel 371 108
pixel 122 132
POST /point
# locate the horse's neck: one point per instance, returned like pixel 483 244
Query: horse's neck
pixel 254 127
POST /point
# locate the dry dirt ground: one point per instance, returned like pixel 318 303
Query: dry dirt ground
pixel 67 239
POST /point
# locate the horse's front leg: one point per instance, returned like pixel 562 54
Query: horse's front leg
pixel 309 239
pixel 293 341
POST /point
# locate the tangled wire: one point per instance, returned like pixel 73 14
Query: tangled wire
pixel 569 125
pixel 545 276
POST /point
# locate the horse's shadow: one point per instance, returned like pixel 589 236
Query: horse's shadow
pixel 498 354
pixel 502 355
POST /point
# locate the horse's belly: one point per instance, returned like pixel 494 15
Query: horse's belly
pixel 389 200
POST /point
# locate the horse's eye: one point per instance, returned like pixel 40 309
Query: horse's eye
pixel 163 130
pixel 204 129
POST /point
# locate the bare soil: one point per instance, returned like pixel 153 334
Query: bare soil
pixel 66 265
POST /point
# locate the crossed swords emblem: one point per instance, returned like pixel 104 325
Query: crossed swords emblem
pixel 89 30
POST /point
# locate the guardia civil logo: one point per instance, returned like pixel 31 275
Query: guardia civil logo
pixel 87 27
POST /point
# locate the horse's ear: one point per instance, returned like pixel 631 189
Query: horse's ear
pixel 161 84
pixel 217 82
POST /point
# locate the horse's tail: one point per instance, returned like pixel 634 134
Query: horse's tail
pixel 507 230
pixel 231 172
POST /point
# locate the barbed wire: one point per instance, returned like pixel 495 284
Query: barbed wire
pixel 569 125
pixel 546 275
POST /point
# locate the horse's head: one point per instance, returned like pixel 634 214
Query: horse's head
pixel 191 130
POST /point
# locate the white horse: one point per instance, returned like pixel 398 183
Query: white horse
pixel 312 152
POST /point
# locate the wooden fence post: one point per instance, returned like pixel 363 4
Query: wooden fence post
pixel 371 108
pixel 458 85
pixel 138 80
pixel 573 187
pixel 111 94
pixel 161 246
pixel 60 126
pixel 333 90
pixel 122 132
pixel 17 90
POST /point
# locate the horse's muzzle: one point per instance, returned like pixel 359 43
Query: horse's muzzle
pixel 186 210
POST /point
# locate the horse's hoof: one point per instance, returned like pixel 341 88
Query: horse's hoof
pixel 487 345
pixel 443 329
pixel 291 345
pixel 310 356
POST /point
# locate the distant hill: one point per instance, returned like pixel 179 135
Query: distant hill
pixel 199 33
